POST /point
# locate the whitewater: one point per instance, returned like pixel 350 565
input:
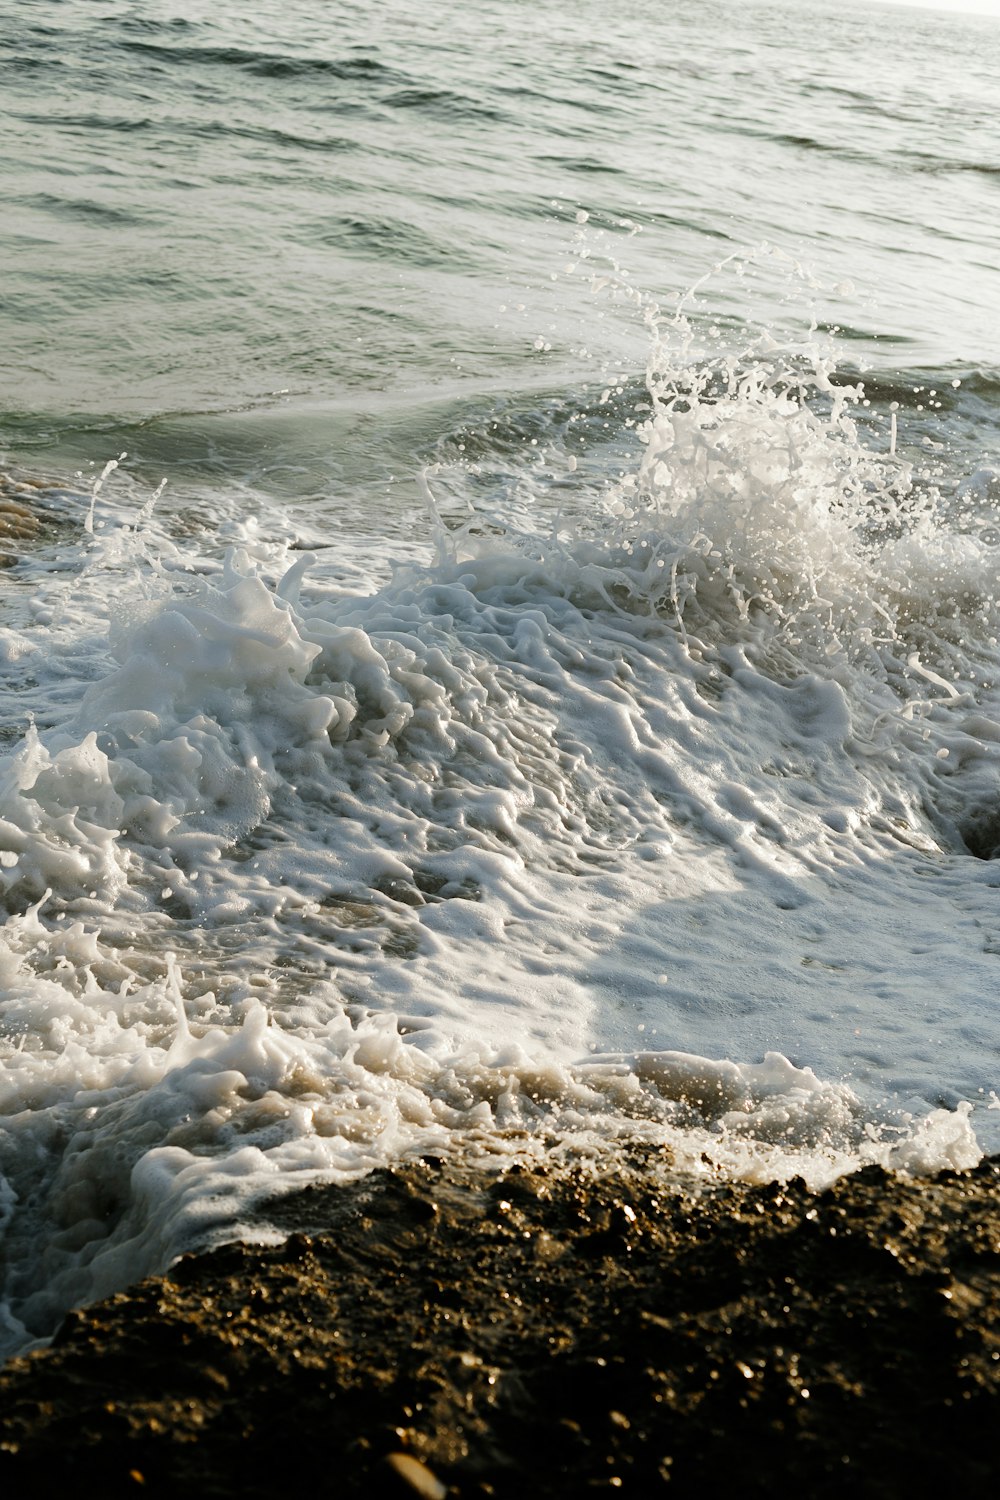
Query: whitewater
pixel 522 765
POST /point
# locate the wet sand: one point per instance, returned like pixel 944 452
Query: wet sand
pixel 443 1330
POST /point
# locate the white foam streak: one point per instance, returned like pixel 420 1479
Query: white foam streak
pixel 133 1132
pixel 542 842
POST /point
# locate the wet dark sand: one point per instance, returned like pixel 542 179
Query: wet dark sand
pixel 440 1330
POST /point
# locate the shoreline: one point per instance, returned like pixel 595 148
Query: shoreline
pixel 440 1329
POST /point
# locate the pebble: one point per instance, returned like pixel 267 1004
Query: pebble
pixel 417 1476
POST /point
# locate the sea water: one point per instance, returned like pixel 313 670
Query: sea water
pixel 500 651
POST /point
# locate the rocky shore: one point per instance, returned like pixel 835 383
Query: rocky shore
pixel 439 1330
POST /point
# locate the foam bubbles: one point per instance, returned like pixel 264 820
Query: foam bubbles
pixel 303 878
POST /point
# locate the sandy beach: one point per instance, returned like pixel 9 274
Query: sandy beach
pixel 444 1330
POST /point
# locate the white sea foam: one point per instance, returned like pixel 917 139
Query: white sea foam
pixel 575 834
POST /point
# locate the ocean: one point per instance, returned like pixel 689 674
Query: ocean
pixel 499 641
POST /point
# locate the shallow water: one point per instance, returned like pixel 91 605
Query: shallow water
pixel 553 697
